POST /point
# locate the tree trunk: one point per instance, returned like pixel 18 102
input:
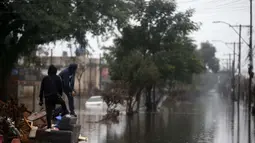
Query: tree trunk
pixel 7 61
pixel 154 98
pixel 129 106
pixel 3 87
pixel 138 100
pixel 148 99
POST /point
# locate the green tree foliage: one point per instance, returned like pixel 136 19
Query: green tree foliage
pixel 214 63
pixel 155 49
pixel 207 53
pixel 24 24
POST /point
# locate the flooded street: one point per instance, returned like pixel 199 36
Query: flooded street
pixel 209 119
pixel 186 60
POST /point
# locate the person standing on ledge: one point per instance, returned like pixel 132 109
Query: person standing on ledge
pixel 68 80
pixel 51 90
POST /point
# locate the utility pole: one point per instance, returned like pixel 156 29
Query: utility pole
pixel 234 54
pixel 229 61
pixel 250 67
pixel 231 77
pixel 100 72
pixel 90 78
pixel 250 71
pixel 239 84
pixel 225 64
pixel 233 90
pixel 233 71
pixel 239 76
pixel 51 54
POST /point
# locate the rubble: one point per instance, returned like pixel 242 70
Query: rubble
pixel 17 123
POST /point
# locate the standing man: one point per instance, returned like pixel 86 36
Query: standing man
pixel 68 79
pixel 51 90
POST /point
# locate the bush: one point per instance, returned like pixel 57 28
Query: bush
pixel 113 95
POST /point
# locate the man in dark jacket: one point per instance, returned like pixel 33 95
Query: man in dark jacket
pixel 51 90
pixel 68 79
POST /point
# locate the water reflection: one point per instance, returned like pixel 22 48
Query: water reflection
pixel 209 119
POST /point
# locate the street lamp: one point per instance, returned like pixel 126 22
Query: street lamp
pixel 232 26
pixel 223 23
pixel 220 41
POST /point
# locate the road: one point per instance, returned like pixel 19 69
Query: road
pixel 209 119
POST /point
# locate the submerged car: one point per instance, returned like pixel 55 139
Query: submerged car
pixel 97 104
pixel 95 101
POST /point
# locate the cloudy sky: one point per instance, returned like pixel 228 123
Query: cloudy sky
pixel 234 12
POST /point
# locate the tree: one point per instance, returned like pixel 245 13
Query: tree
pixel 64 54
pixel 135 70
pixel 28 23
pixel 155 50
pixel 207 53
pixel 115 93
pixel 214 64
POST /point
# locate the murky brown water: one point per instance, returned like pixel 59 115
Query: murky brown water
pixel 209 119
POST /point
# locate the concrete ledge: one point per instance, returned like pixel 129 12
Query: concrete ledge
pixel 54 137
pixel 75 129
pixel 68 120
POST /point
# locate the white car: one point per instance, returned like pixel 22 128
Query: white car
pixel 96 103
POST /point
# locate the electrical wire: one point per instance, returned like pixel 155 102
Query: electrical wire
pixel 214 8
pixel 233 5
pixel 226 6
pixel 236 6
pixel 230 3
pixel 205 13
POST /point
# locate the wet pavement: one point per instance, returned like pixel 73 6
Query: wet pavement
pixel 208 119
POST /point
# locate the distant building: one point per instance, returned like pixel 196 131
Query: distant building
pixel 91 74
pixel 28 80
pixel 105 77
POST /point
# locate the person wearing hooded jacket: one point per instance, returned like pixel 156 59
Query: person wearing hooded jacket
pixel 68 80
pixel 51 90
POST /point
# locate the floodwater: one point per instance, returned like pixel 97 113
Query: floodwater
pixel 209 119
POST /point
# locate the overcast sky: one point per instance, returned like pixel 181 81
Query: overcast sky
pixel 234 12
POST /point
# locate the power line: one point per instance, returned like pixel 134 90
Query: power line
pixel 203 14
pixel 234 5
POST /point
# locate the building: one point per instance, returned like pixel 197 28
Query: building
pixel 26 82
pixel 88 72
